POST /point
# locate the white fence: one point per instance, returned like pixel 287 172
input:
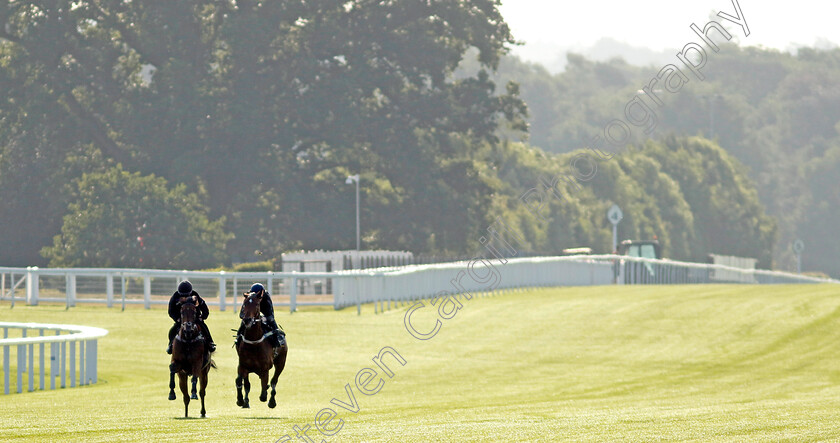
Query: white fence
pixel 60 348
pixel 383 285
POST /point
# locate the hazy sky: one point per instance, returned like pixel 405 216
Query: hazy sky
pixel 661 24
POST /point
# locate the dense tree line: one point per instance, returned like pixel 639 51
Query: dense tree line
pixel 776 112
pixel 687 192
pixel 195 133
pixel 263 107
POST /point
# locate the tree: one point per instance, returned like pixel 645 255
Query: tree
pixel 728 216
pixel 254 100
pixel 123 219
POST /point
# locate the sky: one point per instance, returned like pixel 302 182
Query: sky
pixel 546 25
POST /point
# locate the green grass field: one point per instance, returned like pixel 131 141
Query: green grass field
pixel 672 363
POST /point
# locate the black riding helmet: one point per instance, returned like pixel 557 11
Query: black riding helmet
pixel 256 288
pixel 185 288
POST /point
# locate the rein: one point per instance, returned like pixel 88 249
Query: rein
pixel 254 342
pixel 199 337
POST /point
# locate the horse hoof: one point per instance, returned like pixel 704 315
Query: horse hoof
pixel 245 406
pixel 172 396
pixel 240 403
pixel 203 416
pixel 272 403
pixel 263 398
pixel 194 397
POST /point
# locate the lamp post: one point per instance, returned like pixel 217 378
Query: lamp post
pixel 350 180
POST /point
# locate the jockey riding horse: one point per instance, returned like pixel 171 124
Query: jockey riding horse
pixel 276 336
pixel 185 289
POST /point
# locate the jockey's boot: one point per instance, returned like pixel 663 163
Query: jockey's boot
pixel 278 338
pixel 206 330
pixel 172 332
pixel 275 339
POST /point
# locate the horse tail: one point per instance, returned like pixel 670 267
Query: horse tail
pixel 210 364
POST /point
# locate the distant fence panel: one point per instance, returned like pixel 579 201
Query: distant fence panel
pixel 63 340
pixel 384 286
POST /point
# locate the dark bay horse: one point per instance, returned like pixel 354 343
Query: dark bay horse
pixel 190 355
pixel 256 353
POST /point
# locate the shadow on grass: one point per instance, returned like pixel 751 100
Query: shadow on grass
pixel 189 418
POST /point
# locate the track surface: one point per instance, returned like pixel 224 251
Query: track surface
pixel 704 363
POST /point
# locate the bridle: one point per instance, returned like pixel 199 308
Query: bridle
pixel 189 326
pixel 252 320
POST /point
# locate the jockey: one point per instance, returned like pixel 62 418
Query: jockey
pixel 185 289
pixel 267 309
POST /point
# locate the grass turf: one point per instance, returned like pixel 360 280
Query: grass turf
pixel 638 363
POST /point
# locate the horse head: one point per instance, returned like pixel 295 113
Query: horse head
pixel 250 311
pixel 189 317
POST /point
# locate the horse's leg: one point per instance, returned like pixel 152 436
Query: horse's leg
pixel 172 381
pixel 247 385
pixel 264 385
pixel 194 395
pixel 239 401
pixel 182 378
pixel 279 364
pixel 272 403
pixel 242 380
pixel 204 374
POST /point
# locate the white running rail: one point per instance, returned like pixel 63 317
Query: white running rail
pixel 383 285
pixel 62 341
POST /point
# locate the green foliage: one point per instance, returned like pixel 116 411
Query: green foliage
pixel 775 112
pixel 122 219
pixel 686 192
pixel 260 103
pixel 257 266
pixel 264 108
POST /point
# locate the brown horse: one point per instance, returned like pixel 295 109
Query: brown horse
pixel 256 353
pixel 190 355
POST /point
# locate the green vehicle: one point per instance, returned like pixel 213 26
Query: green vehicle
pixel 636 272
pixel 641 248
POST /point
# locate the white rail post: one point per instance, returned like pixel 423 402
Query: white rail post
pixel 32 285
pixel 147 292
pixel 222 289
pixel 41 361
pixel 293 295
pixel 12 288
pixel 31 367
pixel 123 286
pixel 109 289
pixel 82 357
pixel 63 364
pixel 70 289
pixel 21 364
pixel 90 349
pixel 235 292
pixel 6 365
pixel 72 345
pixel 54 359
pixel 358 295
